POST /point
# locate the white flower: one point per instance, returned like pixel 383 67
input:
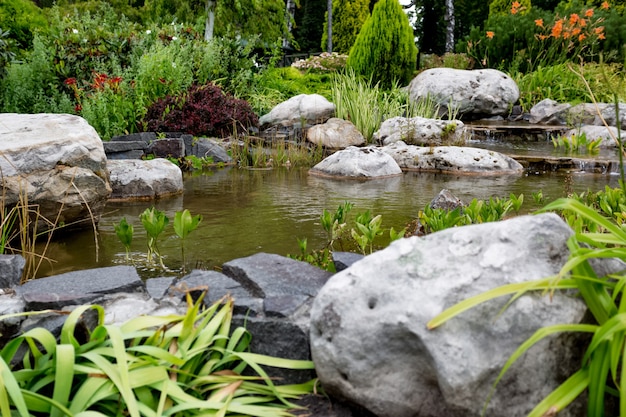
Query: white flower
pixel 173 64
pixel 174 38
pixel 148 32
pixel 74 30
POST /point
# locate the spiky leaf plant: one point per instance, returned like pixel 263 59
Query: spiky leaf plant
pixel 177 365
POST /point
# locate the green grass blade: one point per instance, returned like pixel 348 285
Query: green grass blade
pixel 598 373
pixel 561 397
pixel 455 310
pixel 9 389
pixel 64 377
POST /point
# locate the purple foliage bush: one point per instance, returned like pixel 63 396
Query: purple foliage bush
pixel 203 110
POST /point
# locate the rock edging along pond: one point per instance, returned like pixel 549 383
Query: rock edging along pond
pixel 365 327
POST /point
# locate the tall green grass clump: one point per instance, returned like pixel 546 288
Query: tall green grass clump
pixel 385 49
pixel 367 105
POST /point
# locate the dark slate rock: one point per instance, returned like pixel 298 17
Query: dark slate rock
pixel 283 306
pixel 166 148
pixel 158 287
pixel 218 285
pixel 281 339
pixel 123 146
pixel 447 201
pixel 204 147
pixel 138 154
pixel 138 137
pixel 317 405
pixel 343 260
pixel 11 268
pixel 79 287
pixel 267 275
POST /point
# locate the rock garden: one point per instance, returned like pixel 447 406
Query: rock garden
pixel 509 304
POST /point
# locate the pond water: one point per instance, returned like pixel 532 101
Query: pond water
pixel 246 211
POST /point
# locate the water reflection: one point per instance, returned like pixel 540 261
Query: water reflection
pixel 250 211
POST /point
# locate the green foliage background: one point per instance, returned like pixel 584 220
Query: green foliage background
pixel 348 19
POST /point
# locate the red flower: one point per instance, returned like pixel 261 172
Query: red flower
pixel 70 81
pixel 78 108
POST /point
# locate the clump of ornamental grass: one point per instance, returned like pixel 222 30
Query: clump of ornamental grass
pixel 195 364
pixel 367 105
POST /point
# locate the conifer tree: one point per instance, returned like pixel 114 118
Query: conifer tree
pixel 385 49
pixel 348 18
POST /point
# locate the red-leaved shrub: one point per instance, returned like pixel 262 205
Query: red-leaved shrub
pixel 203 110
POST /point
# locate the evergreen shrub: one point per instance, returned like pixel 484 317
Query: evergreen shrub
pixel 348 18
pixel 385 49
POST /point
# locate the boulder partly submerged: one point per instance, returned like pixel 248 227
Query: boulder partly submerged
pixel 452 159
pixel 136 179
pixel 421 131
pixel 57 162
pixel 357 163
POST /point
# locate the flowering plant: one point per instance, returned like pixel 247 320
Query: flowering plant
pixel 527 38
pixel 323 62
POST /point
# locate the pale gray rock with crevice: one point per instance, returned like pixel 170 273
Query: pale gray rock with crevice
pixel 357 163
pixel 135 179
pixel 452 159
pixel 371 344
pixel 421 131
pixel 335 134
pixel 298 111
pixel 483 92
pixel 58 162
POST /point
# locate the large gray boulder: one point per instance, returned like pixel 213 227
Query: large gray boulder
pixel 57 161
pixel 336 134
pixel 452 159
pixel 475 93
pixel 421 131
pixel 303 109
pixel 136 179
pixel 369 336
pixel 357 163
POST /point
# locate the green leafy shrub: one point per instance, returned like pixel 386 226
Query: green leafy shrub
pixel 385 50
pixel 32 86
pixel 203 110
pixel 81 44
pixel 6 55
pixel 22 19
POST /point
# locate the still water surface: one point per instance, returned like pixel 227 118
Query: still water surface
pixel 248 211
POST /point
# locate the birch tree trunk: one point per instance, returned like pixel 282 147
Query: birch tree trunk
pixel 209 23
pixel 449 25
pixel 330 26
pixel 291 8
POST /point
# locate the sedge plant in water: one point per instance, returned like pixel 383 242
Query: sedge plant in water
pixel 194 364
pixel 124 232
pixel 185 223
pixel 154 221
